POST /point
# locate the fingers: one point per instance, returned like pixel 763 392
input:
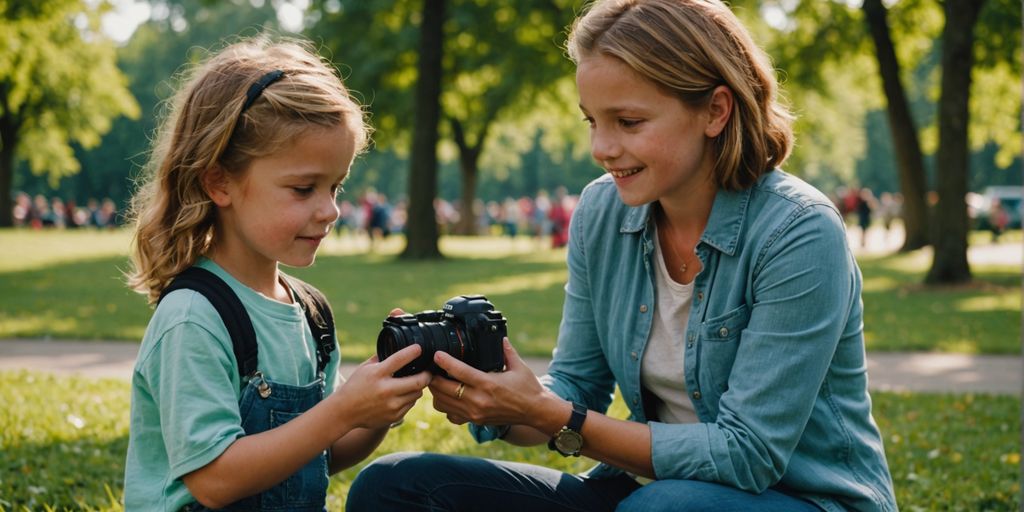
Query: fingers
pixel 455 419
pixel 456 369
pixel 446 389
pixel 415 382
pixel 512 359
pixel 399 359
pixel 396 312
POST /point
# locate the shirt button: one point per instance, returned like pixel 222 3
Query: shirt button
pixel 700 295
pixel 692 336
pixel 636 400
pixel 689 345
pixel 696 395
pixel 643 308
pixel 634 355
pixel 723 332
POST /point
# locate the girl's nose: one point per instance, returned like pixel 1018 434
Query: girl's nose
pixel 604 146
pixel 327 211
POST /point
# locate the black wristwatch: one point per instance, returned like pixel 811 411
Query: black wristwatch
pixel 569 440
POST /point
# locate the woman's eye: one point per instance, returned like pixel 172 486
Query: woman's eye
pixel 629 123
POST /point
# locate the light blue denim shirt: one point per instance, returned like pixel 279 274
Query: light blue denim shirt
pixel 774 356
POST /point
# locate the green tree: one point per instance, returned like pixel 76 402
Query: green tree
pixel 59 84
pixel 973 41
pixel 499 57
pixel 906 144
pixel 180 32
pixel 950 263
pixel 421 227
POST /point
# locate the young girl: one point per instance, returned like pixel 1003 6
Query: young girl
pixel 243 177
pixel 715 290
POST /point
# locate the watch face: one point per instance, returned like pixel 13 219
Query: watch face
pixel 569 442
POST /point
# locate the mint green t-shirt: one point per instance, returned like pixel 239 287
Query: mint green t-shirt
pixel 186 388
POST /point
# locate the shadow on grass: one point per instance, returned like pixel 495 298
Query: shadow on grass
pixel 900 313
pixel 86 299
pixel 89 300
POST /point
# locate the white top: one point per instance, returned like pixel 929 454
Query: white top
pixel 662 368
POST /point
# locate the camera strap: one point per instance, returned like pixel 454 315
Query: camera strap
pixel 236 319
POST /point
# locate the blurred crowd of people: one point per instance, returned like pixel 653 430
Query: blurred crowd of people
pixel 862 207
pixel 39 212
pixel 544 215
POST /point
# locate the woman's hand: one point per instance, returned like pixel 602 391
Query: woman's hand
pixel 373 398
pixel 512 397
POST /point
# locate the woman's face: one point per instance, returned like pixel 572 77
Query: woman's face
pixel 654 145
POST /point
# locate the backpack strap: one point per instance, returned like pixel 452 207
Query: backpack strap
pixel 232 313
pixel 321 321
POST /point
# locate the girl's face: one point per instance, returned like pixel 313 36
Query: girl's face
pixel 653 144
pixel 282 207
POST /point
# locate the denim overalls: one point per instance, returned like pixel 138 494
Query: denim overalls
pixel 265 405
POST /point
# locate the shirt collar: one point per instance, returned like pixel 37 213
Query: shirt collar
pixel 724 225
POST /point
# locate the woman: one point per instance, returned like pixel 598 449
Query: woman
pixel 715 290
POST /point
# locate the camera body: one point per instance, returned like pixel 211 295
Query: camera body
pixel 467 327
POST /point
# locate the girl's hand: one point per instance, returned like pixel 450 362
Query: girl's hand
pixel 373 398
pixel 512 397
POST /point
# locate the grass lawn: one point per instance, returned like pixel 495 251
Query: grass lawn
pixel 63 440
pixel 68 284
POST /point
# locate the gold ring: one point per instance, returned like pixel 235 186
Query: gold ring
pixel 458 391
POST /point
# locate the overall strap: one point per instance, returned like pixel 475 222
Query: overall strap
pixel 232 313
pixel 321 321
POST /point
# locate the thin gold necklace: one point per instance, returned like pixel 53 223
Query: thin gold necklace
pixel 671 244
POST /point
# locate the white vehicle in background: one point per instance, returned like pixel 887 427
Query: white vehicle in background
pixel 979 206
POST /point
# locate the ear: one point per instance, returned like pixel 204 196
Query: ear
pixel 215 183
pixel 719 111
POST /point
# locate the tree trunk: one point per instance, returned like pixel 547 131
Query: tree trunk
pixel 950 262
pixel 469 157
pixel 8 132
pixel 421 227
pixel 909 159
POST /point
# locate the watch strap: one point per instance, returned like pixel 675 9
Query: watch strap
pixel 579 413
pixel 571 429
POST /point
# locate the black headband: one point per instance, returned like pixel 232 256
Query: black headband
pixel 257 88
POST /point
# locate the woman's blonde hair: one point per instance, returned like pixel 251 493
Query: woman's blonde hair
pixel 690 47
pixel 206 129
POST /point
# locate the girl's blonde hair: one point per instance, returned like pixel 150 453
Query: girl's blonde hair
pixel 690 47
pixel 206 129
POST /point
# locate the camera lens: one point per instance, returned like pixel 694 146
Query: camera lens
pixel 393 338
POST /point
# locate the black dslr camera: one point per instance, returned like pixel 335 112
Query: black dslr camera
pixel 467 328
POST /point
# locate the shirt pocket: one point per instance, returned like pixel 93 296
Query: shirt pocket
pixel 726 327
pixel 720 338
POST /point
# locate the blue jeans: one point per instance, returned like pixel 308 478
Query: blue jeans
pixel 434 482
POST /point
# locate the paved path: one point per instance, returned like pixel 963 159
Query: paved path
pixel 928 372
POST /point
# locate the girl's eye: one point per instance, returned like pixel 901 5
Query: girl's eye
pixel 303 191
pixel 589 120
pixel 337 190
pixel 629 123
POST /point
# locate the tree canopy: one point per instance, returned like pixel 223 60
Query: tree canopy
pixel 59 85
